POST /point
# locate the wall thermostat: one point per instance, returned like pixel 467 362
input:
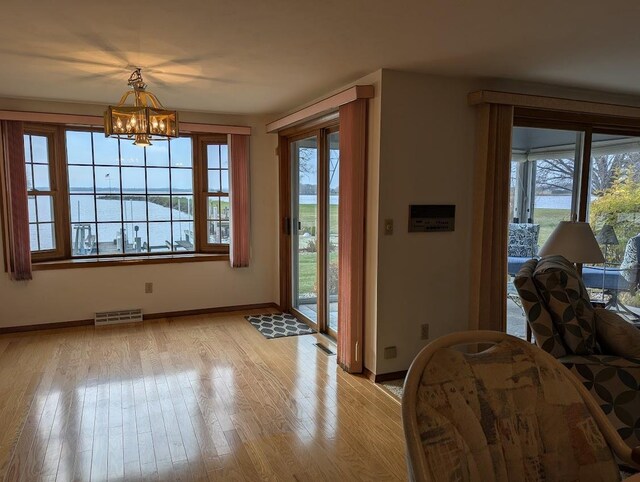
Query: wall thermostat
pixel 431 217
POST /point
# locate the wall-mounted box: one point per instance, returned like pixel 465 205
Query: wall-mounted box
pixel 431 217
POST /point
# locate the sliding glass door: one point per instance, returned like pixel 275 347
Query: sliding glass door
pixel 544 180
pixel 314 163
pixel 577 172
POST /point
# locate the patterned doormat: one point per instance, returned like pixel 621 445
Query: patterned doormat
pixel 279 325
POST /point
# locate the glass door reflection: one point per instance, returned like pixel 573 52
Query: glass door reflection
pixel 304 233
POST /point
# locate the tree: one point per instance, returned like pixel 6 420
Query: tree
pixel 619 207
pixel 556 175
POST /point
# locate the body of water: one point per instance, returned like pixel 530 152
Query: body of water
pixel 313 199
pixel 555 202
pixel 150 217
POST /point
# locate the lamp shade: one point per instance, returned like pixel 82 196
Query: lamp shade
pixel 575 241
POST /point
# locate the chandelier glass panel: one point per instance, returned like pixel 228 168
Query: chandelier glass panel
pixel 144 121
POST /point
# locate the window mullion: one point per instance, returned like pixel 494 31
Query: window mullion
pixel 585 176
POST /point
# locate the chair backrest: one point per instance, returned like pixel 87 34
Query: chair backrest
pixel 511 412
pixel 554 286
pixel 630 266
pixel 539 319
pixel 523 240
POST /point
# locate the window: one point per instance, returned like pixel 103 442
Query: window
pixel 43 193
pixel 217 194
pixel 41 217
pixel 125 200
pixel 577 171
pixel 104 197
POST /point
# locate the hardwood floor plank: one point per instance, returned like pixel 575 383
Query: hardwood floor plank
pixel 203 398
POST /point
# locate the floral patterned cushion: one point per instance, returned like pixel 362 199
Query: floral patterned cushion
pixel 507 414
pixel 523 240
pixel 564 294
pixel 629 266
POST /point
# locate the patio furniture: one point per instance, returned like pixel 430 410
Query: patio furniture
pixel 522 245
pixel 564 323
pixel 613 280
pixel 511 412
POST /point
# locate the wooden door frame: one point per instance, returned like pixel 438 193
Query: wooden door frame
pixel 320 128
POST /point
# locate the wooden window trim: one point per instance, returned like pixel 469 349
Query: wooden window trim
pixel 322 107
pixel 554 105
pixel 202 180
pixel 58 191
pixel 129 261
pixel 97 121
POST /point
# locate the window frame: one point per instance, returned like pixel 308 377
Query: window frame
pixel 57 190
pixel 588 124
pixel 203 142
pixel 62 257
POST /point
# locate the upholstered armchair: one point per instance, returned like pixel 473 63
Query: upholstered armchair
pixel 510 412
pixel 599 347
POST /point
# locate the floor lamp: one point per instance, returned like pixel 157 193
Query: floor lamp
pixel 575 241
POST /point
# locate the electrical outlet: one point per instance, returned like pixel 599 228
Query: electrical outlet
pixel 390 352
pixel 424 331
pixel 388 226
pixel 148 287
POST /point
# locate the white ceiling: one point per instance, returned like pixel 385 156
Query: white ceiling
pixel 259 56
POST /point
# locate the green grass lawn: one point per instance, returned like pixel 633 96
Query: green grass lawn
pixel 308 262
pixel 548 219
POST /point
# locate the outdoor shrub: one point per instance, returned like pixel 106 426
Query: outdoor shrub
pixel 618 206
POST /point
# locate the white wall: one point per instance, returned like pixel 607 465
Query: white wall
pixel 426 157
pixel 75 294
pixel 427 144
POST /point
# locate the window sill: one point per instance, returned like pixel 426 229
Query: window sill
pixel 127 261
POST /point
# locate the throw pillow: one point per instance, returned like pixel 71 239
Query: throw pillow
pixel 523 240
pixel 568 302
pixel 616 335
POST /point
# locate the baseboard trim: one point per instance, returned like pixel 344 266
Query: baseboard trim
pixel 369 374
pixel 45 326
pixel 148 316
pixel 209 311
pixel 385 377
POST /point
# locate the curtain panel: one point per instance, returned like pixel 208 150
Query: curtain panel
pixel 15 207
pixel 240 206
pixel 353 175
pixel 488 301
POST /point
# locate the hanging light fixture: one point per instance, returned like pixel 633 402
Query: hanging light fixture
pixel 144 121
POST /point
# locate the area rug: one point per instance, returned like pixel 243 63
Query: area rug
pixel 279 325
pixel 394 387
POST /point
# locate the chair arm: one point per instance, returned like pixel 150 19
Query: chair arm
pixel 620 448
pixel 604 361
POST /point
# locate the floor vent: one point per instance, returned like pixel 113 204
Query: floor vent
pixel 115 317
pixel 324 348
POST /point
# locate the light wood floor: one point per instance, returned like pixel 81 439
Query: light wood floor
pixel 199 398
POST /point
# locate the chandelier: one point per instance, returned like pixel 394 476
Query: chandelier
pixel 144 121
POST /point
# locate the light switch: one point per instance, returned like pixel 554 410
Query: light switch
pixel 388 226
